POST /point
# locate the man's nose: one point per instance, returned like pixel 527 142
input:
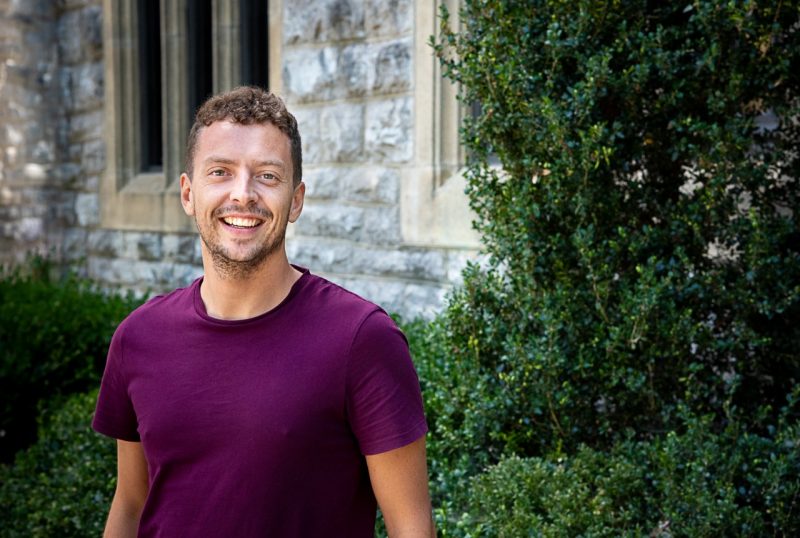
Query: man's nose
pixel 243 190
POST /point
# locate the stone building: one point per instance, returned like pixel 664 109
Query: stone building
pixel 96 98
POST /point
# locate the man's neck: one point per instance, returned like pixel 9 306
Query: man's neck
pixel 248 296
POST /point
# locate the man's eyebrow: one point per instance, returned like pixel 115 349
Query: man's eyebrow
pixel 224 160
pixel 272 162
pixel 218 160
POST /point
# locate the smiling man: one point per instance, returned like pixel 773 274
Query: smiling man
pixel 261 400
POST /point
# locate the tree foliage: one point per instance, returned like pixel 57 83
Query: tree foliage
pixel 642 220
pixel 633 167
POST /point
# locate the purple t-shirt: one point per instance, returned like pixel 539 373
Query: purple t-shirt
pixel 258 427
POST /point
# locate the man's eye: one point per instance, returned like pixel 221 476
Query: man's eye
pixel 266 176
pixel 217 172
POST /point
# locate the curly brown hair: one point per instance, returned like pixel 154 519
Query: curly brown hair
pixel 247 105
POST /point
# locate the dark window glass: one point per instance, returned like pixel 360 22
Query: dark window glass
pixel 152 158
pixel 255 42
pixel 201 76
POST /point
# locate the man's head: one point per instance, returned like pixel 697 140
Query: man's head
pixel 243 181
pixel 247 105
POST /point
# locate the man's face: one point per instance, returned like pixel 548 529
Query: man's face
pixel 241 194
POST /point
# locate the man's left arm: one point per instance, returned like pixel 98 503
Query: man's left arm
pixel 400 481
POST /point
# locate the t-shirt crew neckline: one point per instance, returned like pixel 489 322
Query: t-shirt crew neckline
pixel 200 307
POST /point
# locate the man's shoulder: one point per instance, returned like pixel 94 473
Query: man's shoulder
pixel 336 293
pixel 326 297
pixel 159 308
pixel 331 309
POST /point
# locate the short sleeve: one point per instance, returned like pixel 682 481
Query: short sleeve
pixel 114 415
pixel 384 402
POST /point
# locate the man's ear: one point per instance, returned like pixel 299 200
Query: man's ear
pixel 297 202
pixel 187 200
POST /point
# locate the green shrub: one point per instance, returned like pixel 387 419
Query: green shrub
pixel 689 485
pixel 54 335
pixel 457 402
pixel 633 168
pixel 559 497
pixel 62 485
pixel 642 222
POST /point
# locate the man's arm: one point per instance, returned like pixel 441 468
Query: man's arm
pixel 400 482
pixel 132 488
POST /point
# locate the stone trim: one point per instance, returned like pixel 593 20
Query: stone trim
pixel 227 68
pixel 121 59
pixel 448 152
pixel 434 208
pixel 174 89
pixel 132 200
pixel 275 16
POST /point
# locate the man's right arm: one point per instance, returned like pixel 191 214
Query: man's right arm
pixel 132 488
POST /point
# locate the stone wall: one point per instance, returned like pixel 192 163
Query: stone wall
pixel 51 101
pixel 32 204
pixel 347 75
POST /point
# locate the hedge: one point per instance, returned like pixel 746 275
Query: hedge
pixel 54 335
pixel 61 485
pixel 633 167
pixel 691 484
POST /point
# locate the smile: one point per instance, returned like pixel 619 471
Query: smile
pixel 241 222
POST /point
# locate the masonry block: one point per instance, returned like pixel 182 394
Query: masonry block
pixel 80 35
pixel 312 75
pixel 389 130
pixel 310 21
pixel 389 17
pixel 392 68
pixel 341 130
pixel 368 184
pixel 87 209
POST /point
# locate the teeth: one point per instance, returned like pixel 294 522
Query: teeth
pixel 240 222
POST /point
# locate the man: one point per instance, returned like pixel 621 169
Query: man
pixel 261 400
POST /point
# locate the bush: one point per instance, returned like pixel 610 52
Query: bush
pixel 54 335
pixel 689 485
pixel 588 494
pixel 62 485
pixel 633 168
pixel 645 250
